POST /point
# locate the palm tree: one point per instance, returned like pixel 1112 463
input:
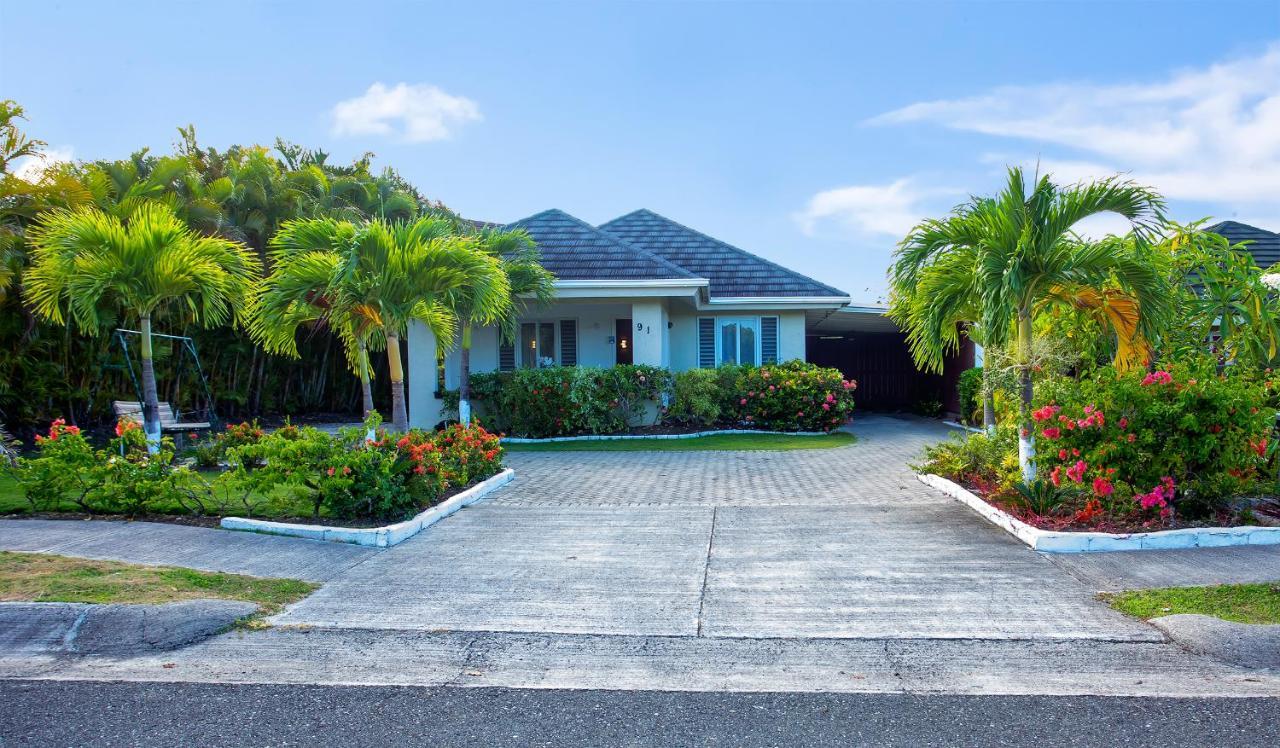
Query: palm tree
pixel 89 265
pixel 527 280
pixel 999 261
pixel 369 281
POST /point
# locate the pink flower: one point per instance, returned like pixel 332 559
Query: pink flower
pixel 831 398
pixel 1103 487
pixel 826 406
pixel 743 401
pixel 1062 454
pixel 1124 423
pixel 771 387
pixel 331 472
pixel 1076 471
pixel 1045 413
pixel 1052 433
pixel 1157 377
pixel 1133 438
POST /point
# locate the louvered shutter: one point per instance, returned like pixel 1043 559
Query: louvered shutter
pixel 768 340
pixel 707 342
pixel 506 355
pixel 568 342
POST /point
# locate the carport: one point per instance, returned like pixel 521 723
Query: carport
pixel 867 346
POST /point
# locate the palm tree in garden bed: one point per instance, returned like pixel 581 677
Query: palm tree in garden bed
pixel 94 268
pixel 1000 261
pixel 368 281
pixel 486 304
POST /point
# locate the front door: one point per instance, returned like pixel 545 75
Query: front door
pixel 622 341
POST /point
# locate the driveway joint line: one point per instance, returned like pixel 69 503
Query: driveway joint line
pixel 706 569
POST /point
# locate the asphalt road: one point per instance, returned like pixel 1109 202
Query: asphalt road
pixel 77 713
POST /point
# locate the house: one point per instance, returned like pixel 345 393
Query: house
pixel 645 289
pixel 1263 245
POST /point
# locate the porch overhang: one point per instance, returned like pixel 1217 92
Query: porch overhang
pixel 621 289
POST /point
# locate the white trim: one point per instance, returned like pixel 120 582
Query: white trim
pixel 1050 541
pixel 662 283
pixel 823 301
pixel 377 537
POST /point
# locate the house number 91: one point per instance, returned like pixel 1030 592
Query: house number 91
pixel 642 327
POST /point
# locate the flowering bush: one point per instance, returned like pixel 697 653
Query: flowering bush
pixel 794 396
pixel 1174 440
pixel 125 478
pixel 558 400
pixel 554 401
pixel 349 475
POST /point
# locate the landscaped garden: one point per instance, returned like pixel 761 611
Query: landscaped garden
pixel 1128 383
pixel 362 475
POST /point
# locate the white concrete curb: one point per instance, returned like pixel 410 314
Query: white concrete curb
pixel 1051 541
pixel 692 435
pixel 955 425
pixel 378 537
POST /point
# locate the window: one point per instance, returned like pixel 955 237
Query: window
pixel 737 340
pixel 536 346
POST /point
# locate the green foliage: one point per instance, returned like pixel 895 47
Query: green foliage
pixel 347 476
pixel 696 399
pixel 984 461
pixel 1183 439
pixel 970 391
pixel 1043 497
pixel 792 396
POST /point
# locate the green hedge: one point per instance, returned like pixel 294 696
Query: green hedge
pixel 558 401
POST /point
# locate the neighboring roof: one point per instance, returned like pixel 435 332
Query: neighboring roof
pixel 1264 244
pixel 733 272
pixel 573 249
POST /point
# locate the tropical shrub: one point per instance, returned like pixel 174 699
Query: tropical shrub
pixel 792 396
pixel 695 398
pixel 559 400
pixel 970 391
pixel 125 478
pixel 1183 439
pixel 350 476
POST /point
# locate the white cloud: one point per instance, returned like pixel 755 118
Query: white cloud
pixel 415 113
pixel 31 167
pixel 1209 134
pixel 890 209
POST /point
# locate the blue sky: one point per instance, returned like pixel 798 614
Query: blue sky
pixel 813 134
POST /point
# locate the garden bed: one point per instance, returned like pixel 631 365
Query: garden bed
pixel 384 536
pixel 1066 541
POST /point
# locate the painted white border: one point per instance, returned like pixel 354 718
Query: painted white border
pixel 619 437
pixel 377 537
pixel 1051 541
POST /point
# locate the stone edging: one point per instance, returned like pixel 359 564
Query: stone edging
pixel 378 537
pixel 613 437
pixel 1052 541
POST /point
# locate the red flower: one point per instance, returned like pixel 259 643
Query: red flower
pixel 1052 433
pixel 1076 471
pixel 1103 487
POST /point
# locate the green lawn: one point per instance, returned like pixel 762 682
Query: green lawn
pixel 45 578
pixel 1243 603
pixel 724 442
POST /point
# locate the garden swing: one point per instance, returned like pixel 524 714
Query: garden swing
pixel 200 417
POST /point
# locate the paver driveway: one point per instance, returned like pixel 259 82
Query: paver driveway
pixel 840 543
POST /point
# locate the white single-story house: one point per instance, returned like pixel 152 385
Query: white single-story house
pixel 644 289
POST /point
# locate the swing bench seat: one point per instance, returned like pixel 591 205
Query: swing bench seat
pixel 131 410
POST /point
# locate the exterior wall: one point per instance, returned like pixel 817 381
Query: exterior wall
pixel 424 408
pixel 648 329
pixel 791 343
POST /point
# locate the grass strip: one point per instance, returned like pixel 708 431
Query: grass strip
pixel 714 442
pixel 1243 603
pixel 46 578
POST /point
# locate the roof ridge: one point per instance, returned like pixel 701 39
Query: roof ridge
pixel 660 260
pixel 728 246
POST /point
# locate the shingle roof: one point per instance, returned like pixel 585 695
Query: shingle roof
pixel 575 250
pixel 733 272
pixel 1264 244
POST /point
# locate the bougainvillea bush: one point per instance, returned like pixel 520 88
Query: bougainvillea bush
pixel 345 476
pixel 793 396
pixel 1150 450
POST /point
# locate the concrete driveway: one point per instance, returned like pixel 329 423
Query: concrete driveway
pixel 825 544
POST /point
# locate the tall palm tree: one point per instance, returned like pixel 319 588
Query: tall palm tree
pixel 368 281
pixel 999 261
pixel 90 265
pixel 527 281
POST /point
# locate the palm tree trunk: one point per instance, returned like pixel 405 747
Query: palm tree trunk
pixel 150 398
pixel 399 412
pixel 464 377
pixel 1026 429
pixel 989 412
pixel 366 390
